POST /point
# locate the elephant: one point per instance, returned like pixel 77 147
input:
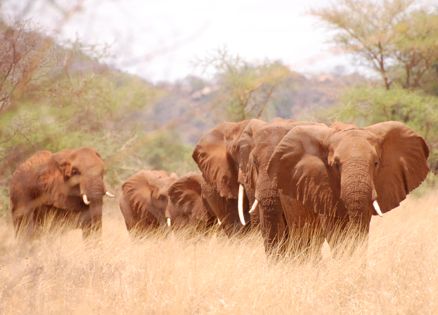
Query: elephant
pixel 273 205
pixel 346 174
pixel 145 199
pixel 187 206
pixel 67 185
pixel 220 170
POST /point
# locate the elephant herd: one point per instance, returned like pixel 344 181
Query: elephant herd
pixel 300 183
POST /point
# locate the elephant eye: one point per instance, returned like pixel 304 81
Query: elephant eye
pixel 336 163
pixel 376 163
pixel 75 171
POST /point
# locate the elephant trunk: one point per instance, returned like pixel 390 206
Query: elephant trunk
pixel 92 190
pixel 92 220
pixel 357 193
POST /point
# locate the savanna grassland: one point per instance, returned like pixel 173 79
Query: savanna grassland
pixel 184 273
pixel 57 94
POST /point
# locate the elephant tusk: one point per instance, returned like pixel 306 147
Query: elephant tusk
pixel 169 222
pixel 240 205
pixel 85 199
pixel 254 206
pixel 219 221
pixel 377 208
pixel 109 194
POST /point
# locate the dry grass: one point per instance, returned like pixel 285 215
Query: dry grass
pixel 178 274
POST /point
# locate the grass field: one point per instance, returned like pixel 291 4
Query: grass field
pixel 183 274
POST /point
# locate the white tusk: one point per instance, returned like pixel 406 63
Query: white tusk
pixel 109 194
pixel 169 222
pixel 254 205
pixel 85 199
pixel 240 205
pixel 219 221
pixel 377 208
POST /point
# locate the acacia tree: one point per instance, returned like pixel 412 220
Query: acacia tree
pixel 394 38
pixel 246 89
pixel 416 49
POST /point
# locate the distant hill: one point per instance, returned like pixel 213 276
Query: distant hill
pixel 189 105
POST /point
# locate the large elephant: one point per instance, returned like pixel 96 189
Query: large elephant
pixel 67 185
pixel 272 205
pixel 187 206
pixel 145 199
pixel 220 169
pixel 347 174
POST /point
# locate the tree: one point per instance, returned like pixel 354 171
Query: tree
pixel 246 89
pixel 20 57
pixel 416 49
pixel 394 38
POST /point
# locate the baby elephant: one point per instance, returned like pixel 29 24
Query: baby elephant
pixel 144 200
pixel 65 188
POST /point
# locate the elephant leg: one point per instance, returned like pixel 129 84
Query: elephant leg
pixel 305 230
pixel 273 225
pixel 231 223
pixel 23 220
pixel 91 222
pixel 341 235
pixel 25 227
pixel 127 214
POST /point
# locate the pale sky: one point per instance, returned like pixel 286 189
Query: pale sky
pixel 161 40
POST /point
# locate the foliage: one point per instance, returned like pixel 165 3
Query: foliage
pixel 368 105
pixel 71 100
pixel 245 89
pixel 161 149
pixel 398 39
pixel 394 38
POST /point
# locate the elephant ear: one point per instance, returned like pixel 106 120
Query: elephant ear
pixel 299 167
pixel 140 193
pixel 185 195
pixel 216 164
pixel 62 161
pixel 403 162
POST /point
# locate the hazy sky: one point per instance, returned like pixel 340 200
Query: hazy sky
pixel 161 40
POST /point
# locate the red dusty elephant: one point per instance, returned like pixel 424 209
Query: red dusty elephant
pixel 67 185
pixel 187 205
pixel 145 199
pixel 262 144
pixel 220 169
pixel 347 174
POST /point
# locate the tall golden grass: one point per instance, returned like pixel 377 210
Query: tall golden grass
pixel 180 273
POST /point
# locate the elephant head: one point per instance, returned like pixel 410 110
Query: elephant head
pixel 82 173
pixel 240 150
pixel 242 146
pixel 212 155
pixel 145 198
pixel 186 206
pixel 346 170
